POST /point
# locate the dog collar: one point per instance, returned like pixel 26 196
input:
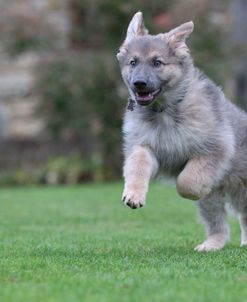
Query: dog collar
pixel 156 107
pixel 131 104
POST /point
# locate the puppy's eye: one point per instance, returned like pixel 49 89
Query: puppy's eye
pixel 157 63
pixel 133 62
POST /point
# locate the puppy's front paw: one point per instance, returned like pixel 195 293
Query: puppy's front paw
pixel 133 198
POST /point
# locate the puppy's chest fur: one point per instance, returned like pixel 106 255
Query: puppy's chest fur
pixel 169 137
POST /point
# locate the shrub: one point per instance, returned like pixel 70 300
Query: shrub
pixel 81 99
pixel 58 170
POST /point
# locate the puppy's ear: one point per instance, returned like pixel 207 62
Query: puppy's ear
pixel 176 38
pixel 136 28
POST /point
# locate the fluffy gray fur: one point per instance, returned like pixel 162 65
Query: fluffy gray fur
pixel 198 137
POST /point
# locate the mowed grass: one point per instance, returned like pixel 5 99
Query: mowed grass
pixel 82 244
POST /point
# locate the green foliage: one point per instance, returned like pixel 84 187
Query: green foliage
pixel 81 244
pixel 17 178
pixel 112 18
pixel 109 15
pixel 208 50
pixel 59 170
pixel 24 33
pixel 72 170
pixel 108 107
pixel 77 90
pixel 80 99
pixel 61 85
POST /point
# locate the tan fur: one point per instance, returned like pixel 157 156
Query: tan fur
pixel 192 183
pixel 138 169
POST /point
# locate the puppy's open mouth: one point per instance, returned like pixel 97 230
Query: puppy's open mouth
pixel 146 98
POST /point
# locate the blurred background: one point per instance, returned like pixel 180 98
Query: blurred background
pixel 61 94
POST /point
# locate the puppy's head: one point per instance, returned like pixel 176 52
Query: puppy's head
pixel 149 64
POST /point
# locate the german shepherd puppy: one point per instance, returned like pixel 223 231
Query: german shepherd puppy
pixel 179 123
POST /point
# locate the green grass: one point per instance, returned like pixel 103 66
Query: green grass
pixel 81 244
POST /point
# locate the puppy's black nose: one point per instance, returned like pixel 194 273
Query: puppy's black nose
pixel 140 84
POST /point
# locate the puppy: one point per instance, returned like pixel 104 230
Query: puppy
pixel 179 123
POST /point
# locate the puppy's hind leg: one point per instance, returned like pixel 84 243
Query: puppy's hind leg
pixel 214 217
pixel 243 226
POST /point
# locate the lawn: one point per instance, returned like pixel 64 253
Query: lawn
pixel 81 244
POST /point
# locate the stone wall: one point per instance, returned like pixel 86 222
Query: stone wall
pixel 19 117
